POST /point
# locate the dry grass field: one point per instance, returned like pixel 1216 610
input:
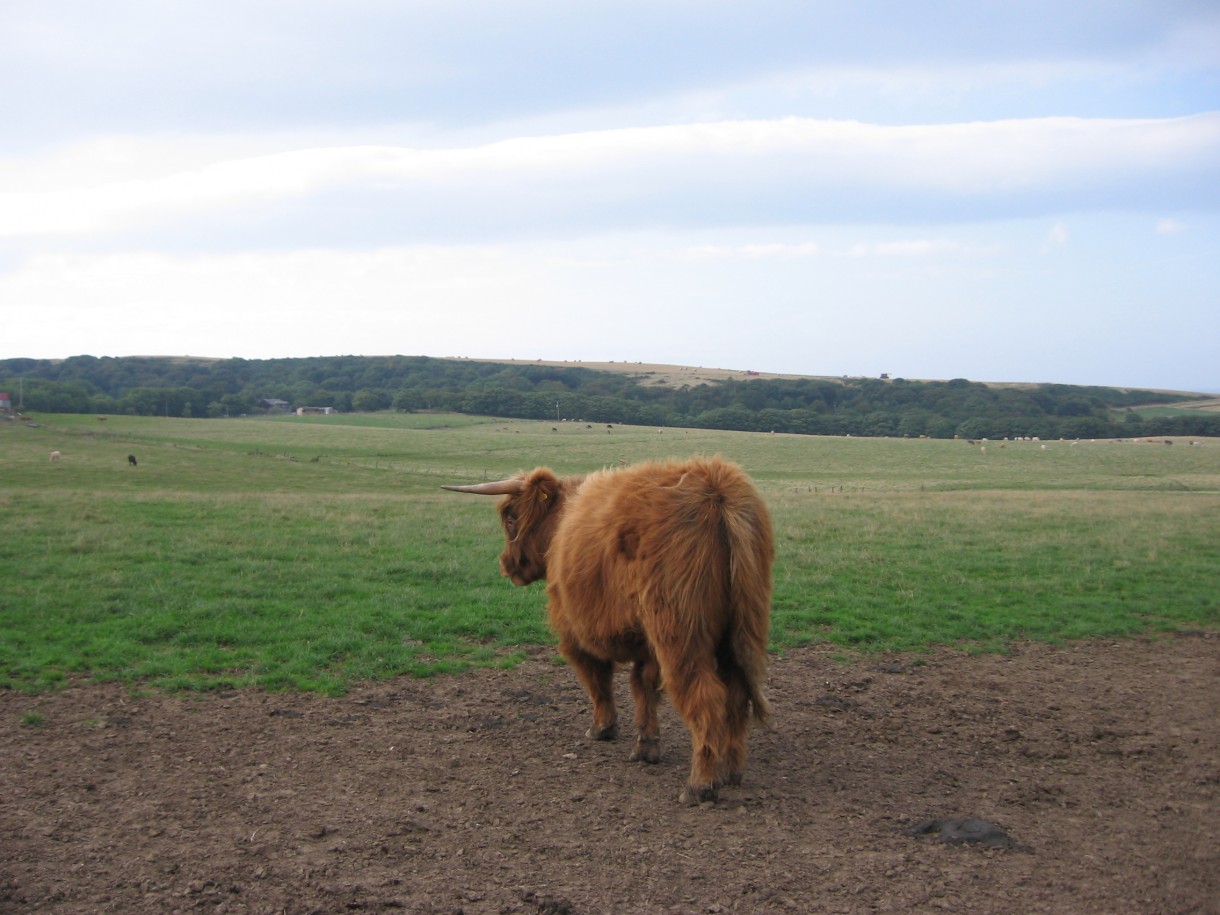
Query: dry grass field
pixel 678 375
pixel 654 372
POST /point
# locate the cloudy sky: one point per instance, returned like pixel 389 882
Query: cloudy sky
pixel 1002 191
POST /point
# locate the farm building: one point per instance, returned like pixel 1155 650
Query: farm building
pixel 270 403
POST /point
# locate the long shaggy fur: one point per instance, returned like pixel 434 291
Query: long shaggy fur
pixel 666 566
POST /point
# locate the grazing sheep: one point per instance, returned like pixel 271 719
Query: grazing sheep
pixel 131 459
pixel 54 457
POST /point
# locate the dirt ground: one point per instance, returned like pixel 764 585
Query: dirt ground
pixel 1099 761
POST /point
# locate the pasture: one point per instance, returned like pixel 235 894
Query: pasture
pixel 273 669
pixel 315 552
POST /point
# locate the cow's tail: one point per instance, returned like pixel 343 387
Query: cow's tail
pixel 747 527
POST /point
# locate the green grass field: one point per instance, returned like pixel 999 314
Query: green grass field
pixel 312 552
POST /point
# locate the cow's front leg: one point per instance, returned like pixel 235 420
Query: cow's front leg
pixel 597 674
pixel 646 690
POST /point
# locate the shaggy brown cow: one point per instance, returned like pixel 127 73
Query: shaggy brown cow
pixel 666 566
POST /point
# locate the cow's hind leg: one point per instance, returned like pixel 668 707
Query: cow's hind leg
pixel 737 723
pixel 646 689
pixel 597 674
pixel 700 696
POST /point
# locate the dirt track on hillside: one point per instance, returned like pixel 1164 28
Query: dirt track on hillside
pixel 1099 761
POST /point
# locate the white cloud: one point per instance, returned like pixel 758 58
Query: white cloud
pixel 464 62
pixel 934 247
pixel 904 248
pixel 1057 237
pixel 873 182
pixel 755 251
pixel 290 303
pixel 751 172
pixel 280 281
pixel 225 183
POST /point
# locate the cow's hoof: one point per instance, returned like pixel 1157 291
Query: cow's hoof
pixel 647 750
pixel 609 732
pixel 693 795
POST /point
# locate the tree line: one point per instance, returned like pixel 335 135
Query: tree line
pixel 186 387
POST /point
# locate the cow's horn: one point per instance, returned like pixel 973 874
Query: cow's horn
pixel 497 488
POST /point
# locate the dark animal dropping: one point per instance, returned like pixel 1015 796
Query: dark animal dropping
pixel 965 830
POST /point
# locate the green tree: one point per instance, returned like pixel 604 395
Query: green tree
pixel 976 427
pixel 366 401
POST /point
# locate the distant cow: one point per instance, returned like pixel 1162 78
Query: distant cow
pixel 666 566
pixel 55 455
pixel 131 459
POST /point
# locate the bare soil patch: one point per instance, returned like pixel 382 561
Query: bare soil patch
pixel 478 794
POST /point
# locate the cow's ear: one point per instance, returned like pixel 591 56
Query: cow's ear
pixel 549 491
pixel 544 486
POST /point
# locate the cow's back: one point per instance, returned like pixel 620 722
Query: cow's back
pixel 650 546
